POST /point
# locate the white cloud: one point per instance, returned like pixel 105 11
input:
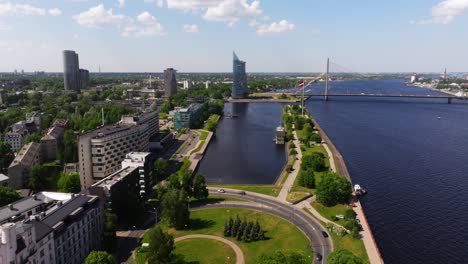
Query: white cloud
pixel 446 11
pixel 148 26
pixel 121 3
pixel 55 12
pixel 275 27
pixel 191 28
pixel 160 3
pixel 191 4
pixel 98 16
pixel 232 10
pixel 7 8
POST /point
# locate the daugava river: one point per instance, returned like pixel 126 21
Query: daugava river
pixel 411 154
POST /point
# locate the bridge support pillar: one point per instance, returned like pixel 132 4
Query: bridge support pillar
pixel 449 100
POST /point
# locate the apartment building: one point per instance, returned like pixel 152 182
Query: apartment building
pixel 19 170
pixel 55 228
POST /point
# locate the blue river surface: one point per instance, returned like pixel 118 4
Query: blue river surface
pixel 411 154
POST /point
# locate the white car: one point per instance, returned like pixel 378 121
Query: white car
pixel 221 190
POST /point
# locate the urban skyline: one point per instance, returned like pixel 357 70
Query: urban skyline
pixel 146 37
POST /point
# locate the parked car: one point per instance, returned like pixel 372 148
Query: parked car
pixel 221 190
pixel 318 256
pixel 242 193
pixel 324 234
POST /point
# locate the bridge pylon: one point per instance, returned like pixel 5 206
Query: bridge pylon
pixel 326 79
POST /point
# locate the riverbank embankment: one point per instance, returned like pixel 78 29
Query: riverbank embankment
pixel 337 159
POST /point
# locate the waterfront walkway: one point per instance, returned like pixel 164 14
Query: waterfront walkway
pixel 239 254
pixel 291 177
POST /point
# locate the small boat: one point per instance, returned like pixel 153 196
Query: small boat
pixel 359 191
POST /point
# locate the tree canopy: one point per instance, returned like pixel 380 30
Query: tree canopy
pixel 333 189
pixel 161 246
pixel 279 257
pixel 175 209
pixel 314 161
pixel 8 195
pixel 69 183
pixel 6 156
pixel 99 257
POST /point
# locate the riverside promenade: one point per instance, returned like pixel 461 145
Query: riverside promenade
pixel 339 165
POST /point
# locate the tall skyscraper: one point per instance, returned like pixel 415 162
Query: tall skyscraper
pixel 239 85
pixel 71 70
pixel 170 82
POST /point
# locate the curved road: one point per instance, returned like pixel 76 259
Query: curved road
pixel 311 229
pixel 236 248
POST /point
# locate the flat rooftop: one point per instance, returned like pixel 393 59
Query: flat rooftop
pixel 115 177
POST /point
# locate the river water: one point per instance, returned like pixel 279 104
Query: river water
pixel 411 154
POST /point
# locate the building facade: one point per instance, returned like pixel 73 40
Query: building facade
pixel 239 87
pixel 187 117
pixel 71 70
pixel 101 151
pixel 20 168
pixel 170 82
pixel 144 162
pixel 84 78
pixel 55 228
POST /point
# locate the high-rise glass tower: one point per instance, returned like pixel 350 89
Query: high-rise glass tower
pixel 170 82
pixel 239 86
pixel 71 70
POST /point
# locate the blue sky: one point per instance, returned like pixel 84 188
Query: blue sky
pixel 200 35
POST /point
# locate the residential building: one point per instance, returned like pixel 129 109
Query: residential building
pixel 3 179
pixel 71 168
pixel 100 151
pixel 170 82
pixel 71 70
pixel 19 170
pixel 55 228
pixel 50 143
pixel 186 117
pixel 116 189
pixel 148 123
pixel 239 87
pixel 143 161
pixel 16 139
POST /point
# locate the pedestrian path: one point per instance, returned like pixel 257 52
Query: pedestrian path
pixel 288 184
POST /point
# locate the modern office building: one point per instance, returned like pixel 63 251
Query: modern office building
pixel 101 151
pixel 84 78
pixel 55 228
pixel 170 82
pixel 186 117
pixel 239 87
pixel 20 168
pixel 71 70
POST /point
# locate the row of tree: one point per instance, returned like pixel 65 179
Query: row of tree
pixel 245 231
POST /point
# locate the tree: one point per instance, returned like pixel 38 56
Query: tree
pixel 161 246
pixel 99 257
pixel 165 108
pixel 314 161
pixel 44 177
pixel 69 183
pixel 6 156
pixel 306 178
pixel 34 137
pixel 161 167
pixel 350 214
pixel 343 256
pixel 293 152
pixel 199 187
pixel 333 189
pixel 175 208
pixel 8 195
pixel 69 149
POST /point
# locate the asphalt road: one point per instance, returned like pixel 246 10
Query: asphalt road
pixel 311 229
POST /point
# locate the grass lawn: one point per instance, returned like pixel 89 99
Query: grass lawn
pixel 163 115
pixel 200 145
pixel 356 246
pixel 296 196
pixel 329 212
pixel 271 190
pixel 203 134
pixel 281 235
pixel 211 252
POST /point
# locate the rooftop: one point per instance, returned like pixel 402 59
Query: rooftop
pixel 27 154
pixel 106 131
pixel 115 177
pixel 3 177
